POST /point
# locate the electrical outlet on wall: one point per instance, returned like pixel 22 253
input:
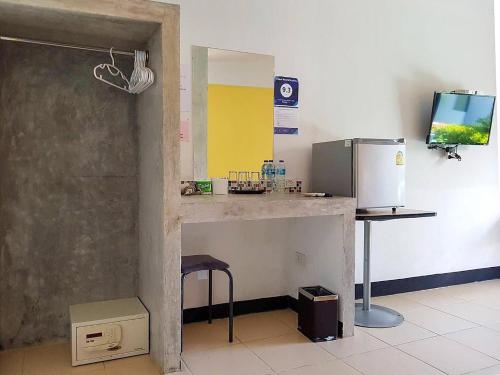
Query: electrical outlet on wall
pixel 202 275
pixel 300 258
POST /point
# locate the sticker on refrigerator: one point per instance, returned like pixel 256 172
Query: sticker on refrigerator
pixel 400 158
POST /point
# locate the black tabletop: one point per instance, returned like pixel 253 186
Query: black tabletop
pixel 388 214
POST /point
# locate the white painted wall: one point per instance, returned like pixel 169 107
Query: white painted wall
pixel 368 69
pixel 262 256
pixel 256 252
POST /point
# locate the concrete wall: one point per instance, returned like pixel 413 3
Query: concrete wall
pixel 151 203
pixel 68 190
pixel 369 69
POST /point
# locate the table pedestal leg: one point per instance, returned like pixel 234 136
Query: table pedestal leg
pixel 366 314
pixel 367 286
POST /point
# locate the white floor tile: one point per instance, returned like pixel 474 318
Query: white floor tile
pixel 389 361
pixel 447 355
pixel 288 352
pixel 406 332
pixel 494 326
pixel 495 370
pixel 335 367
pixel 54 359
pixel 287 316
pixel 141 364
pixel 495 282
pixel 236 359
pixel 465 291
pixel 460 292
pixel 481 339
pixel 487 287
pixel 397 302
pixel 473 312
pixel 437 321
pixel 432 297
pixel 259 326
pixel 490 299
pixel 361 342
pixel 204 336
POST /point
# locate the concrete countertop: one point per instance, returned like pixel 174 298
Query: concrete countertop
pixel 231 207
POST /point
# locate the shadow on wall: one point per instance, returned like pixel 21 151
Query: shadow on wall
pixel 415 102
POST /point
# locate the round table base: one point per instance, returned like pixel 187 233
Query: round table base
pixel 377 317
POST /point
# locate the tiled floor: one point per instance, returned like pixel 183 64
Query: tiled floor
pixel 454 330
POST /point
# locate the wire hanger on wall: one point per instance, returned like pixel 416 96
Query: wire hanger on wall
pixel 142 77
pixel 114 71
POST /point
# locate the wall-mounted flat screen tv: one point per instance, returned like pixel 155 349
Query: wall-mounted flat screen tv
pixel 461 119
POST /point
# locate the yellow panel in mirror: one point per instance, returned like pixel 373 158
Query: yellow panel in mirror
pixel 240 128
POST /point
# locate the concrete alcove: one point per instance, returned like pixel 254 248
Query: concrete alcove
pixel 89 175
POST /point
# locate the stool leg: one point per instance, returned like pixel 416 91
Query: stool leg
pixel 230 304
pixel 209 296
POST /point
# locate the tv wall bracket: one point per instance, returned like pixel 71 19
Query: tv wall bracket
pixel 470 92
pixel 449 150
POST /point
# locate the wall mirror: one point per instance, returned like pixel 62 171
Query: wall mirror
pixel 232 111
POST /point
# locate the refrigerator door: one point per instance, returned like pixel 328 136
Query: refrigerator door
pixel 380 174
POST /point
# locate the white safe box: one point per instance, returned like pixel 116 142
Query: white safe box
pixel 101 331
pixel 370 170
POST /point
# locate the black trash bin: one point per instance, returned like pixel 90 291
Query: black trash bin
pixel 318 313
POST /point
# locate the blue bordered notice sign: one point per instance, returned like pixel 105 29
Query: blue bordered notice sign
pixel 288 131
pixel 286 91
pixel 286 103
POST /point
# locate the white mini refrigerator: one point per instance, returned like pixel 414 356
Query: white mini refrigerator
pixel 370 170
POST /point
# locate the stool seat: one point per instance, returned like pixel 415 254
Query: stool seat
pixel 195 263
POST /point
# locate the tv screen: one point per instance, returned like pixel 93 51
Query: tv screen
pixel 461 119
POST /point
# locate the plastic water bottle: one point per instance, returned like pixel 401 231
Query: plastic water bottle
pixel 263 170
pixel 280 176
pixel 271 172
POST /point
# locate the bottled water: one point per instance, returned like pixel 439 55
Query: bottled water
pixel 271 172
pixel 280 176
pixel 263 170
